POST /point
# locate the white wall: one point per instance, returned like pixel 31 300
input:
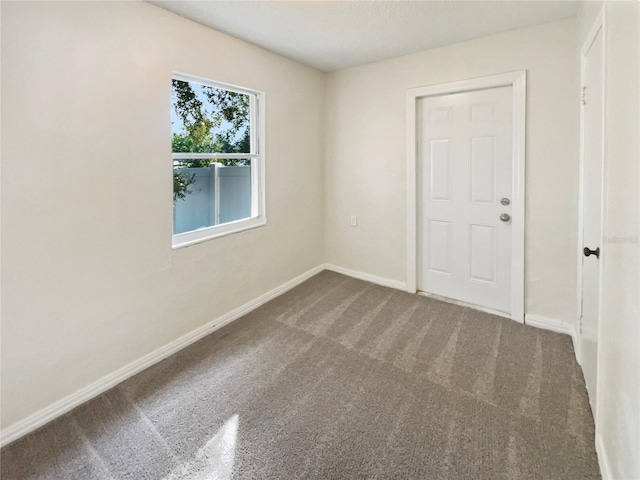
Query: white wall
pixel 90 280
pixel 365 156
pixel 618 415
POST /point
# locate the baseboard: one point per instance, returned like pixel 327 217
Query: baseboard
pixel 465 304
pixel 555 326
pixel 603 459
pixel 549 324
pixel 385 282
pixel 85 394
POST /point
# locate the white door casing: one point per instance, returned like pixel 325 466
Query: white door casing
pixel 457 247
pixel 591 205
pixel 464 170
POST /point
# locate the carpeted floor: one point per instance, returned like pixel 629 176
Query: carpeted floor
pixel 336 379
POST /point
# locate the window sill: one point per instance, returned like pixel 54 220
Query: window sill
pixel 186 239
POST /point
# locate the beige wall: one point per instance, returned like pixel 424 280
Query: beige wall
pixel 90 282
pixel 618 414
pixel 366 155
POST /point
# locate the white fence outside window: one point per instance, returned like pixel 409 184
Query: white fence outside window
pixel 220 194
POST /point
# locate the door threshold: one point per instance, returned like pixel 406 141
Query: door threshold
pixel 465 304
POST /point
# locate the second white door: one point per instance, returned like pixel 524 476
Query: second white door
pixel 465 168
pixel 592 195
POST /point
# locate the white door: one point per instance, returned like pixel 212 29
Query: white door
pixel 592 176
pixel 465 170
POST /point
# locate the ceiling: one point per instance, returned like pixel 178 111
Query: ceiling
pixel 331 35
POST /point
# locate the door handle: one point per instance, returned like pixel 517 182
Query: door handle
pixel 595 252
pixel 505 217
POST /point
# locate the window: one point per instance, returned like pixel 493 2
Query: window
pixel 218 159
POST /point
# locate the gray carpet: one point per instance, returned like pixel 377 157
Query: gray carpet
pixel 336 379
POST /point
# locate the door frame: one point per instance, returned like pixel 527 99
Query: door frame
pixel 516 80
pixel 597 27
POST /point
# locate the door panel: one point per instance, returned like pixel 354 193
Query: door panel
pixel 440 247
pixel 482 112
pixel 593 161
pixel 464 169
pixel 483 170
pixel 483 253
pixel 440 177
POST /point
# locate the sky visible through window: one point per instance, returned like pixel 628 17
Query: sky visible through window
pixel 177 126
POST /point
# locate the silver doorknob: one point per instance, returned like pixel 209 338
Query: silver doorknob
pixel 505 217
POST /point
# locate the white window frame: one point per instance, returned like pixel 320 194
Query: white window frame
pixel 257 128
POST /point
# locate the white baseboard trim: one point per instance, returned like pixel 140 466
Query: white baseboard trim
pixel 385 282
pixel 547 323
pixel 603 459
pixel 465 304
pixel 555 326
pixel 66 404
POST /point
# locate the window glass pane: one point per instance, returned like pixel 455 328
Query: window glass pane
pixel 210 192
pixel 207 119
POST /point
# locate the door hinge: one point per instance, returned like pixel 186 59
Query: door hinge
pixel 584 95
